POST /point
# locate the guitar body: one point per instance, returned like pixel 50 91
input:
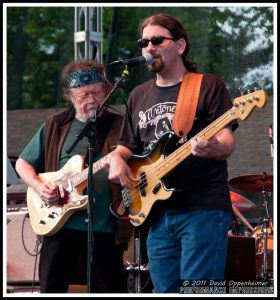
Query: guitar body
pixel 47 220
pixel 151 168
pixel 140 199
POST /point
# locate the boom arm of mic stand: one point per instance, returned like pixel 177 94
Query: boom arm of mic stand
pixel 83 132
pixel 125 74
pixel 89 131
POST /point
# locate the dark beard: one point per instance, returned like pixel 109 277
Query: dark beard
pixel 156 67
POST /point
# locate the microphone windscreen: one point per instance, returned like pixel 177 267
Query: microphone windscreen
pixel 149 58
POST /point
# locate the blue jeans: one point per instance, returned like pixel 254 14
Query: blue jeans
pixel 186 246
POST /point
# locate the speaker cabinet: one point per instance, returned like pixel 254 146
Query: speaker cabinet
pixel 241 260
pixel 21 239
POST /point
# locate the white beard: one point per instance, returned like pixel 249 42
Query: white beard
pixel 84 115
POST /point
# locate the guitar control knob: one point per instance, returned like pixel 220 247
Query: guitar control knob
pixel 135 220
pixel 141 215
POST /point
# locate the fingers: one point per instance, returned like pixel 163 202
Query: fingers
pixel 124 180
pixel 123 177
pixel 49 194
pixel 130 180
pixel 105 164
pixel 120 172
pixel 201 148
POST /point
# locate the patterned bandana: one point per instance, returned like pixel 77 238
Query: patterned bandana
pixel 81 78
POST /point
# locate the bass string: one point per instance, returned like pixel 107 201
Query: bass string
pixel 153 172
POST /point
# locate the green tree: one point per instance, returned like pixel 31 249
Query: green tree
pixel 219 38
pixel 39 44
pixel 236 43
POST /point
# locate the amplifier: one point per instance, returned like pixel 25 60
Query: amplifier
pixel 241 261
pixel 22 247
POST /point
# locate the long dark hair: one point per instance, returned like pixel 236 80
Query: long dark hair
pixel 176 30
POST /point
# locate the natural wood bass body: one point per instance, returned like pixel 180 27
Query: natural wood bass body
pixel 152 167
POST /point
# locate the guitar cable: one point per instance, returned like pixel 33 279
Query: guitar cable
pixel 117 216
pixel 38 241
pixel 37 250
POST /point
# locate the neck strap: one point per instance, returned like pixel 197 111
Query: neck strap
pixel 187 104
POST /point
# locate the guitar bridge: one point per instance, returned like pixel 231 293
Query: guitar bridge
pixel 126 197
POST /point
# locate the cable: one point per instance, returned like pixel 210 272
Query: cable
pixel 37 250
pixel 22 237
pixel 122 218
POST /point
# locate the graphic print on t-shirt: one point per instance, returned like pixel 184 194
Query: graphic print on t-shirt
pixel 160 117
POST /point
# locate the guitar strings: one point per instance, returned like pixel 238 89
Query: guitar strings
pixel 183 150
pixel 209 128
pixel 79 178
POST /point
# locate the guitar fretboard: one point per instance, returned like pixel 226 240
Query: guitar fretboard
pixel 184 151
pixel 97 166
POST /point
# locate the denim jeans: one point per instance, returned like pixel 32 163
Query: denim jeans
pixel 187 246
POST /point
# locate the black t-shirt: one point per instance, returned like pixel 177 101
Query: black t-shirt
pixel 199 183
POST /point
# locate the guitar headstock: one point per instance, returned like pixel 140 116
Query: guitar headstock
pixel 244 105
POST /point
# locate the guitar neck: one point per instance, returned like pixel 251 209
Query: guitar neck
pixel 184 151
pixel 96 167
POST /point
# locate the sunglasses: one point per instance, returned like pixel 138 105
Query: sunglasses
pixel 155 40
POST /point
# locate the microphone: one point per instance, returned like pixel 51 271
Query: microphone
pixel 270 139
pixel 147 59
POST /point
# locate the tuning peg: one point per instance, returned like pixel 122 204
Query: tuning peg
pixel 247 88
pixel 241 90
pixel 262 83
pixel 255 85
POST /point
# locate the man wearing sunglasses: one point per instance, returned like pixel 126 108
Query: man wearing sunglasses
pixel 187 238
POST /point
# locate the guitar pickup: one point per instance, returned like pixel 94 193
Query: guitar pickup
pixel 61 191
pixel 143 184
pixel 142 192
pixel 156 188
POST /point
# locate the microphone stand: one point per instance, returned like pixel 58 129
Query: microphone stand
pixel 270 132
pixel 89 130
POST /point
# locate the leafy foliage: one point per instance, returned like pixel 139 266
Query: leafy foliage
pixel 236 43
pixel 39 44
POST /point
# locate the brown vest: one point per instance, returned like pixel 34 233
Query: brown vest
pixel 57 127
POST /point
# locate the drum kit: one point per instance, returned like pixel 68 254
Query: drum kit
pixel 263 233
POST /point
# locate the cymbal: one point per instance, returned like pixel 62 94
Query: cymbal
pixel 252 183
pixel 241 203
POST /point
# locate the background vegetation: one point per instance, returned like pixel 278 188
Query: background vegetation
pixel 236 43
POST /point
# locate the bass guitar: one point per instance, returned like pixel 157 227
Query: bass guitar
pixel 152 167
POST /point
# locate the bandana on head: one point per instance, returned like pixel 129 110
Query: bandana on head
pixel 81 78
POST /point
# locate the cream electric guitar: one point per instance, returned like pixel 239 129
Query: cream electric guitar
pixel 152 167
pixel 71 180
